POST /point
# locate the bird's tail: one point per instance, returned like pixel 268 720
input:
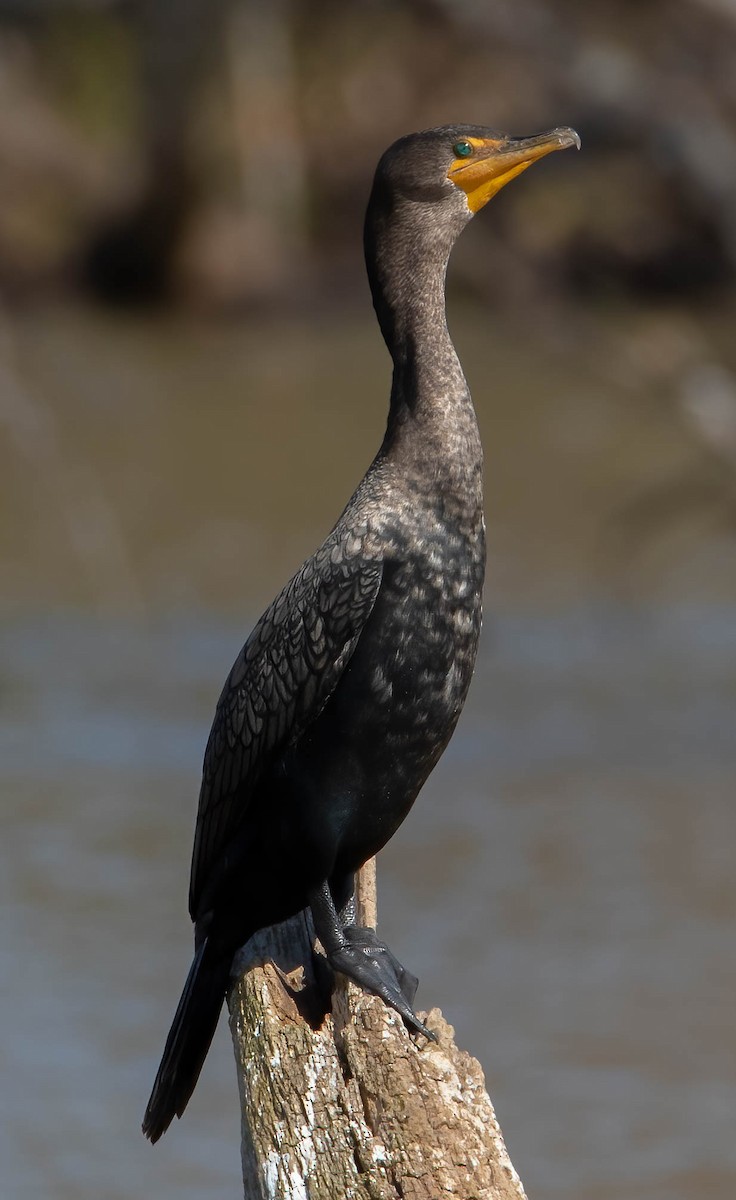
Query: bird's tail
pixel 190 1036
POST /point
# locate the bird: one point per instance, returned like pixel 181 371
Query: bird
pixel 350 685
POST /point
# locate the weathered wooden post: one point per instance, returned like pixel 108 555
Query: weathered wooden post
pixel 342 1103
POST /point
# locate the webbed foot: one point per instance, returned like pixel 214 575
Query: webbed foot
pixel 358 953
pixel 371 969
pixel 368 941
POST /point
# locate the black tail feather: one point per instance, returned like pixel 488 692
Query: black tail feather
pixel 190 1036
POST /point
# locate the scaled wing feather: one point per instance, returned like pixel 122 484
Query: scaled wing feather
pixel 278 685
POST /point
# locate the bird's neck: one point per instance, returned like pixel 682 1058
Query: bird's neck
pixel 407 277
pixel 427 377
pixel 407 266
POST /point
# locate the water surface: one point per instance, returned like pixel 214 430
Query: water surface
pixel 564 887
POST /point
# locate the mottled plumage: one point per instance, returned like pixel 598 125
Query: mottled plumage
pixel 350 685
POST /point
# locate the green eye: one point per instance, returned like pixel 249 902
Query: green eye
pixel 463 149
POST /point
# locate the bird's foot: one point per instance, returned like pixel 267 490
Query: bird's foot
pixel 367 940
pixel 369 962
pixel 355 951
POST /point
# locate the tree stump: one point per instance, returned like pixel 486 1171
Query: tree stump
pixel 339 1101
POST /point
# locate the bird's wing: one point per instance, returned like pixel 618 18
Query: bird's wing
pixel 279 683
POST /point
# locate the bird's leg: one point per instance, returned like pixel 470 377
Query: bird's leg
pixel 366 938
pixel 357 953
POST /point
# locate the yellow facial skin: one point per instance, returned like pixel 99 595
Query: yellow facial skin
pixel 495 161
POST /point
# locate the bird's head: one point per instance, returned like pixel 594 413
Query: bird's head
pixel 460 167
pixel 426 188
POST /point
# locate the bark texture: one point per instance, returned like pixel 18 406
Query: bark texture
pixel 339 1102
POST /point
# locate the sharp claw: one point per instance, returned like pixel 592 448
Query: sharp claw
pixel 418 1027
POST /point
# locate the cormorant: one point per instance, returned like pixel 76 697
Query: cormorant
pixel 349 687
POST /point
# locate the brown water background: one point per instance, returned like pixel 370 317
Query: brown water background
pixel 564 887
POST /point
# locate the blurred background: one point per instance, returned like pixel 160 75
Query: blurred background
pixel 191 383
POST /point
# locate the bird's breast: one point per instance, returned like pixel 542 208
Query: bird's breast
pixel 415 659
pixel 363 761
pixel 427 620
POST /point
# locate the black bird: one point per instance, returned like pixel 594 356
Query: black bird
pixel 349 687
